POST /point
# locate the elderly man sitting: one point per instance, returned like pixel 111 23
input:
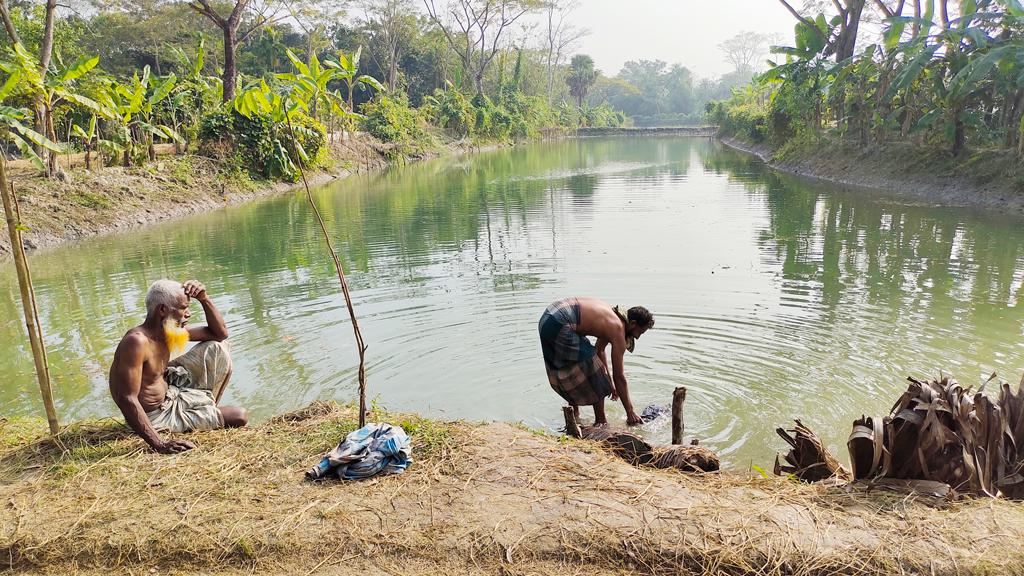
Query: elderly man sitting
pixel 157 387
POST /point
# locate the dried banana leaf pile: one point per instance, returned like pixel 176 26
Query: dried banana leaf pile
pixel 936 431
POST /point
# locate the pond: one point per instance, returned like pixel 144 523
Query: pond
pixel 775 297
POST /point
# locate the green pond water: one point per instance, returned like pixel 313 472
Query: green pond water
pixel 775 297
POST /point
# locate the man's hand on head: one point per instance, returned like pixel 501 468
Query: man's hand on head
pixel 194 289
pixel 173 446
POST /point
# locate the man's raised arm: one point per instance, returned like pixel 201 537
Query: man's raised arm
pixel 215 329
pixel 125 383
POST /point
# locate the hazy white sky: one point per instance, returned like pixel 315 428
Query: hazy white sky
pixel 684 31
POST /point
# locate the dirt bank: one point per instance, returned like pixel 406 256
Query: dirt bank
pixel 987 180
pixel 479 499
pixel 86 203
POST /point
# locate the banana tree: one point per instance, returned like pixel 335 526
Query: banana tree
pixel 24 76
pixel 348 71
pixel 309 84
pixel 258 99
pixel 88 137
pixel 193 95
pixel 131 109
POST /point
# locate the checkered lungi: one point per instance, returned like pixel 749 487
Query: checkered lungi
pixel 574 370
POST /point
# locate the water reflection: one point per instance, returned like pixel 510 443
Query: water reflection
pixel 775 297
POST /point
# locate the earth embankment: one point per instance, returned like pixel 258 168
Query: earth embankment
pixel 479 499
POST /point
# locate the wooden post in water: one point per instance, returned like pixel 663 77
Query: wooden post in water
pixel 28 299
pixel 572 427
pixel 678 397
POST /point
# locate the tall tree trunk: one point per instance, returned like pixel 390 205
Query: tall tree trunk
pixel 393 68
pixel 28 300
pixel 846 43
pixel 230 72
pixel 12 34
pixel 43 113
pixel 1013 120
pixel 959 131
pixel 51 159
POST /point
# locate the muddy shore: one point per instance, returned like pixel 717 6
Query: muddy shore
pixel 988 181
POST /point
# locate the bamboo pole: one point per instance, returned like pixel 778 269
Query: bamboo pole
pixel 678 397
pixel 344 283
pixel 28 300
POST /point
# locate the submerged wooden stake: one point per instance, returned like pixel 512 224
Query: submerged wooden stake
pixel 344 284
pixel 572 427
pixel 28 300
pixel 678 397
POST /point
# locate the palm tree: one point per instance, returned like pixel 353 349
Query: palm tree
pixel 582 76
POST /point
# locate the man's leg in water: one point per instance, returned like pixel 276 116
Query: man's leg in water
pixel 599 418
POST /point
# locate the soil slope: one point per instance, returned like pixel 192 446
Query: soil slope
pixel 986 180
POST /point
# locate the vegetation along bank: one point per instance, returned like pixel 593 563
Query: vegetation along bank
pixel 930 103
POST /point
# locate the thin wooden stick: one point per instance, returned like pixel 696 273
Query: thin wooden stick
pixel 35 335
pixel 678 397
pixel 341 277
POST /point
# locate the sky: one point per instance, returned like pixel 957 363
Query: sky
pixel 683 31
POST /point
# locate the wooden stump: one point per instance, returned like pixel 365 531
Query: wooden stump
pixel 637 451
pixel 626 445
pixel 678 397
pixel 686 458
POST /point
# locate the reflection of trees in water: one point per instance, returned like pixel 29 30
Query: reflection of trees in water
pixel 938 260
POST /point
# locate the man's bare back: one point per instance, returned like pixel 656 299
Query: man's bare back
pixel 598 319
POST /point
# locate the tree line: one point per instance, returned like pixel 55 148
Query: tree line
pixel 114 78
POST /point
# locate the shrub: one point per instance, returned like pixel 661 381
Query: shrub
pixel 312 137
pixel 390 119
pixel 260 145
pixel 450 110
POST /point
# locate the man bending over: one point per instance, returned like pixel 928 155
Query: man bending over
pixel 157 388
pixel 577 370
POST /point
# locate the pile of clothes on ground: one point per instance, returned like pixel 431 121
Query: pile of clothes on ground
pixel 371 450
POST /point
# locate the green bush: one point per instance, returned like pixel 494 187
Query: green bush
pixel 390 119
pixel 258 144
pixel 312 137
pixel 449 110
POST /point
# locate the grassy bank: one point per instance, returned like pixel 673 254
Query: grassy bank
pixel 992 180
pixel 479 498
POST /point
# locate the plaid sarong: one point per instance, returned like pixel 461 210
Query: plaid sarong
pixel 193 381
pixel 574 370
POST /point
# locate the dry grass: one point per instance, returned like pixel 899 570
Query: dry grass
pixel 478 499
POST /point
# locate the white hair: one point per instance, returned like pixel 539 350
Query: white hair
pixel 166 292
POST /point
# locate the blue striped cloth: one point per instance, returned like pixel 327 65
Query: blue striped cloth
pixel 371 450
